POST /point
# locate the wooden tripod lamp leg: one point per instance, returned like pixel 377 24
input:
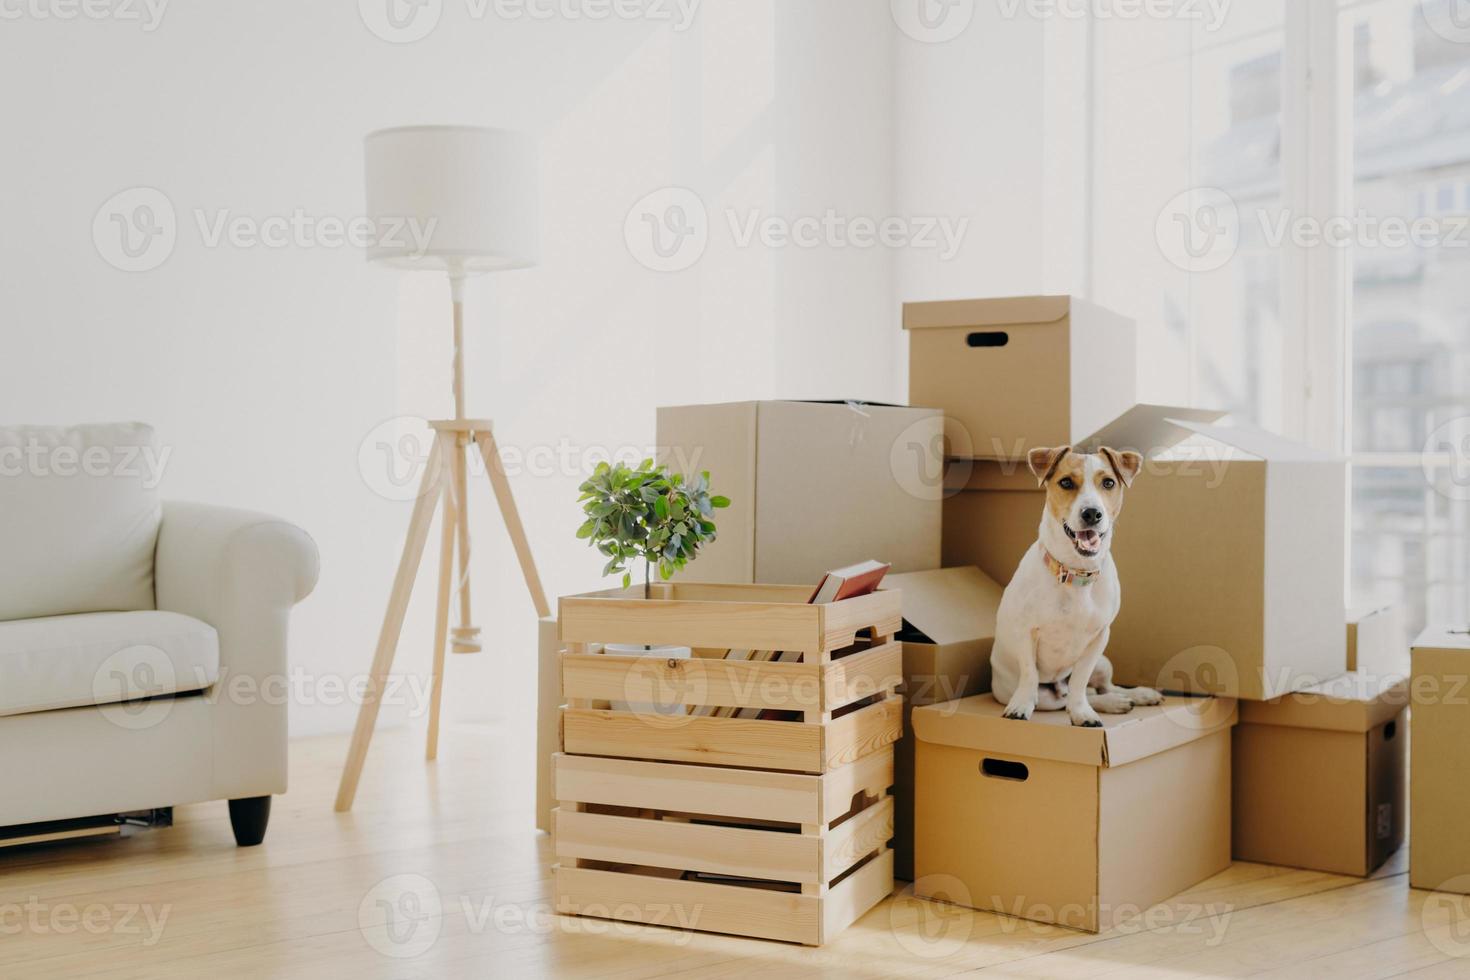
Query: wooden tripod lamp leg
pixel 466 636
pixel 430 492
pixel 512 518
pixel 441 618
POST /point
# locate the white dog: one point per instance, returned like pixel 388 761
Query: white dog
pixel 1052 626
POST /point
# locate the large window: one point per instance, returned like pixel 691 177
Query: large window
pixel 1282 198
pixel 1410 388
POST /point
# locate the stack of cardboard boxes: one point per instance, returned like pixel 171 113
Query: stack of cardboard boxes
pixel 1231 554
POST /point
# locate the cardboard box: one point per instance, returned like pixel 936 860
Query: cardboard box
pixel 1439 760
pixel 948 630
pixel 1319 776
pixel 813 486
pixel 1082 827
pixel 1377 641
pixel 1020 372
pixel 1230 546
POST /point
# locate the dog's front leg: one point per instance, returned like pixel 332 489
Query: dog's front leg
pixel 1023 699
pixel 1079 708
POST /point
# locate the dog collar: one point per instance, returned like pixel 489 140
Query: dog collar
pixel 1066 575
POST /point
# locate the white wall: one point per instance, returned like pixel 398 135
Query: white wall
pixel 265 369
pixel 991 126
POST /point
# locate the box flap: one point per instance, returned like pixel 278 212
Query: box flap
pixel 1148 429
pixel 996 311
pixel 1256 442
pixel 1354 702
pixel 977 723
pixel 1444 638
pixel 856 404
pixel 949 605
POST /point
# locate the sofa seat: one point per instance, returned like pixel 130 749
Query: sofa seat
pixel 103 658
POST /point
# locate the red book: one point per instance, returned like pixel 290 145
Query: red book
pixel 844 583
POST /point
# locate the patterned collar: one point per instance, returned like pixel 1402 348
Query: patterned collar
pixel 1066 575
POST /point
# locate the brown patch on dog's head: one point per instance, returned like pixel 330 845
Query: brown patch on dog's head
pixel 1126 465
pixel 1043 461
pixel 1059 470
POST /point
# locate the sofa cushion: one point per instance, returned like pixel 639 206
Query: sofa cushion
pixel 79 516
pixel 103 658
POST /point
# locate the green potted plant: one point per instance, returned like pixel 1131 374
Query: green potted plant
pixel 647 514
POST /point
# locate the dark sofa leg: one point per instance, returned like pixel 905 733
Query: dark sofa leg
pixel 249 818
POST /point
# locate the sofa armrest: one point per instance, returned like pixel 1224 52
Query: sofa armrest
pixel 241 573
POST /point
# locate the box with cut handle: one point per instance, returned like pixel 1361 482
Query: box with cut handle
pixel 743 790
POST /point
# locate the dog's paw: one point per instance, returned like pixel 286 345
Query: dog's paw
pixel 1019 712
pixel 1111 704
pixel 1143 695
pixel 1085 719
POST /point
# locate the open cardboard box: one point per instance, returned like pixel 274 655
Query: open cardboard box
pixel 1377 640
pixel 1022 371
pixel 1082 827
pixel 948 631
pixel 1230 548
pixel 1319 776
pixel 812 485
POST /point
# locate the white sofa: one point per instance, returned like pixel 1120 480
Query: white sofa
pixel 142 642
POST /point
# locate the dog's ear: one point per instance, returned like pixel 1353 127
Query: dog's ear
pixel 1126 464
pixel 1044 461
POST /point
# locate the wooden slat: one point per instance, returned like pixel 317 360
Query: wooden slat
pixel 856 838
pixel 861 675
pixel 851 899
pixel 740 592
pixel 769 854
pixel 740 793
pixel 854 735
pixel 690 904
pixel 880 611
pixel 786 745
pixel 736 625
pixel 697 681
pixel 872 773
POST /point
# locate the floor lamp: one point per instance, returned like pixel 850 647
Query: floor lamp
pixel 471 194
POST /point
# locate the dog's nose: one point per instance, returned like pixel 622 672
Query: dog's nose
pixel 1091 516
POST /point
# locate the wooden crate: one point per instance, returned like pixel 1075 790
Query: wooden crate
pixel 772 827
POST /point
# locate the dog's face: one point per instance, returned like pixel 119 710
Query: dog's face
pixel 1084 495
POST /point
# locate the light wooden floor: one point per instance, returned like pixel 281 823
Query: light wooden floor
pixel 293 907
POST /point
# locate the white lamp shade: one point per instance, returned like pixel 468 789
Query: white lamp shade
pixel 471 193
